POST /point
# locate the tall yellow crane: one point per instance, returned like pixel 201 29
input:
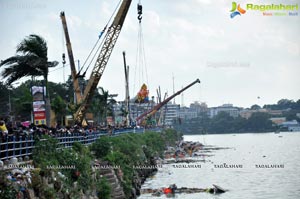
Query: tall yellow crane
pixel 102 59
pixel 71 59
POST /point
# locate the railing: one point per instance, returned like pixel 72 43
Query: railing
pixel 23 146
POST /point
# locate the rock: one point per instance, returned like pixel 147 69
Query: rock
pixel 26 158
pixel 13 161
pixel 6 162
pixel 57 185
pixel 16 171
pixel 30 194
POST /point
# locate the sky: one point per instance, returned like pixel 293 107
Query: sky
pixel 245 60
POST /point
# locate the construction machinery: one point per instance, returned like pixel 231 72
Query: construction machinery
pixel 140 119
pixel 77 92
pixel 110 39
pixel 127 97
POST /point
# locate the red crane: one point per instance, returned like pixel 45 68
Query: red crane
pixel 152 111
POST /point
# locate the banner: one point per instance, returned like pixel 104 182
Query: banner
pixel 39 104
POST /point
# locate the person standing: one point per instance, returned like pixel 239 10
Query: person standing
pixel 3 128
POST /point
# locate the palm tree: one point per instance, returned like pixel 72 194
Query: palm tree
pixel 102 105
pixel 31 59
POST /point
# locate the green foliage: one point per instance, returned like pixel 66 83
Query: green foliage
pixel 8 193
pixel 45 153
pixel 49 193
pixel 4 100
pixel 22 102
pixel 130 150
pixel 259 122
pixel 6 190
pixel 103 189
pixel 102 105
pixel 101 147
pixel 58 105
pixel 284 104
pixel 30 60
pixel 224 123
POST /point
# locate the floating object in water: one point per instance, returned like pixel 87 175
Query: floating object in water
pixel 172 190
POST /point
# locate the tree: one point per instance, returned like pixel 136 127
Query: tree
pixel 255 107
pixel 31 59
pixel 59 107
pixel 102 105
pixel 4 100
pixel 259 122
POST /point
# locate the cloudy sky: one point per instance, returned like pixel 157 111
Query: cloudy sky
pixel 236 59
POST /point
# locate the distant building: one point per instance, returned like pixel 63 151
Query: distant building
pixel 199 107
pixel 196 106
pixel 274 112
pixel 247 113
pixel 291 125
pixel 187 113
pixel 228 108
pixel 171 113
pixel 278 120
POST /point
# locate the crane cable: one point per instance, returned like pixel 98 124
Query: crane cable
pixel 99 37
pixel 63 47
pixel 140 49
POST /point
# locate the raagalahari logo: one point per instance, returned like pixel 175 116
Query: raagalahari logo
pixel 236 10
pixel 266 9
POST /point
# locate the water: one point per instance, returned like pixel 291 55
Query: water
pixel 248 182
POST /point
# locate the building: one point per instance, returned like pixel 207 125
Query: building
pixel 291 125
pixel 171 113
pixel 199 107
pixel 247 113
pixel 278 120
pixel 186 113
pixel 227 108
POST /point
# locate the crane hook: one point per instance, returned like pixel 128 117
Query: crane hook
pixel 140 12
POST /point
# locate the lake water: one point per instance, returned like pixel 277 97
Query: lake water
pixel 249 182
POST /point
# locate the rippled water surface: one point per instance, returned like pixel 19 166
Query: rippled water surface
pixel 249 182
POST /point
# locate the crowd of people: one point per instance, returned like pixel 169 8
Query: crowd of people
pixel 10 132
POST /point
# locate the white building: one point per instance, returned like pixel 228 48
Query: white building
pixel 187 113
pixel 291 125
pixel 171 113
pixel 228 108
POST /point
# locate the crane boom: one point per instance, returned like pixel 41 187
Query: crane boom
pixel 127 98
pixel 161 104
pixel 71 58
pixel 101 62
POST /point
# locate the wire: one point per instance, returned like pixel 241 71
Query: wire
pixel 56 69
pixel 99 37
pixel 141 71
pixel 88 56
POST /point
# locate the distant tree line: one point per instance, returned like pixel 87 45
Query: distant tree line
pixel 224 123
